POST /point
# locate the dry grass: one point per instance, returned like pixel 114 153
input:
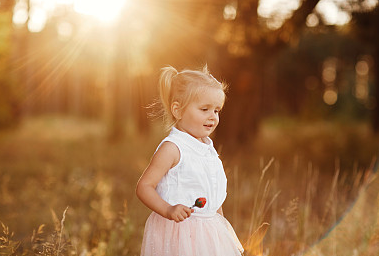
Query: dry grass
pixel 7 245
pixel 51 163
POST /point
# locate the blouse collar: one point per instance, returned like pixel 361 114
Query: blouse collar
pixel 198 146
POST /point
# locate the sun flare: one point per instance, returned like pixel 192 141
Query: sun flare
pixel 104 10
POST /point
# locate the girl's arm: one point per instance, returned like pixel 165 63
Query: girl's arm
pixel 220 211
pixel 166 157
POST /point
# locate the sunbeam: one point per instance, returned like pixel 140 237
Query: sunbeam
pixel 61 62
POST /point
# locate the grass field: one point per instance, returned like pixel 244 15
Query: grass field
pixel 65 190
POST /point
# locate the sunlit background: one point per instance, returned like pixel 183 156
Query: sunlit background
pixel 67 35
pixel 298 134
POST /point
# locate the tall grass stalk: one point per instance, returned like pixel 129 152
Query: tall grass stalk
pixel 236 202
pixel 7 245
pixel 61 231
pixel 260 200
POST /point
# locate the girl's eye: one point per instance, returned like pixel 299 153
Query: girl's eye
pixel 204 109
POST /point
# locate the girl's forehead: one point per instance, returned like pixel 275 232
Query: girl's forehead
pixel 210 95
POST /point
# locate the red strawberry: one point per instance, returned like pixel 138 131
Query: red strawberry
pixel 200 202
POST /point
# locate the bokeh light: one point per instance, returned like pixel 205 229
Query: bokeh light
pixel 20 13
pixel 329 70
pixel 37 20
pixel 276 11
pixel 230 11
pixel 362 69
pixel 330 96
pixel 332 14
pixel 329 74
pixel 64 30
pixel 312 20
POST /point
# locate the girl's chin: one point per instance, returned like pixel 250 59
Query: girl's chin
pixel 209 129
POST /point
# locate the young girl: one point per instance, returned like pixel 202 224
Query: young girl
pixel 185 167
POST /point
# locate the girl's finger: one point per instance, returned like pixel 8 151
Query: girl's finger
pixel 188 211
pixel 187 214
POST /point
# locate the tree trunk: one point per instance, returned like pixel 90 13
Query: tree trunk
pixel 375 111
pixel 252 76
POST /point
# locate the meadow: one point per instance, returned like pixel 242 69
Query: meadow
pixel 66 190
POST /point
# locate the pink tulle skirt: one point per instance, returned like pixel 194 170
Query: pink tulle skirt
pixel 195 236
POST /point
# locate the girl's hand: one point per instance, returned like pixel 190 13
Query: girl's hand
pixel 178 212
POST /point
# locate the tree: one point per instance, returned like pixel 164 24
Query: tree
pixel 366 28
pixel 252 78
pixel 9 97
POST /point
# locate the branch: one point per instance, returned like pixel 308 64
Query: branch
pixel 292 26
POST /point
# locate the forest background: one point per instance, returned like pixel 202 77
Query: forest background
pixel 298 134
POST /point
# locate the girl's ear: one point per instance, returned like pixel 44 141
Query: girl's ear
pixel 175 110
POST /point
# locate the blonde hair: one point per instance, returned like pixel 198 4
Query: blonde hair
pixel 183 87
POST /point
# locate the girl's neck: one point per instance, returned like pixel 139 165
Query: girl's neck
pixel 202 140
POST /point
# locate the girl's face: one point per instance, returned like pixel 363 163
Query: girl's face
pixel 201 116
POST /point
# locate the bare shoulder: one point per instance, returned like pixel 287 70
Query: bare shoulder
pixel 169 147
pixel 166 157
pixel 168 152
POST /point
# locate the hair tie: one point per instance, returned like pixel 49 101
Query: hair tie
pixel 177 73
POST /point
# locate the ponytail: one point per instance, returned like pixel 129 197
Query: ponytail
pixel 165 88
pixel 205 69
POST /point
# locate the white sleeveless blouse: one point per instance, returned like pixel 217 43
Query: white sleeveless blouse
pixel 199 173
